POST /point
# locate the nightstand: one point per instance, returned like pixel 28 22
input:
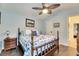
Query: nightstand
pixel 10 43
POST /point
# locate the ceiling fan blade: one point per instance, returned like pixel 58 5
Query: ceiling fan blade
pixel 37 8
pixel 53 6
pixel 40 13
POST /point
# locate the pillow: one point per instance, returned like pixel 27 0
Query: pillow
pixel 34 33
pixel 37 32
pixel 28 32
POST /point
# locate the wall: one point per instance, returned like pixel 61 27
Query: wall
pixel 62 29
pixel 62 17
pixel 11 21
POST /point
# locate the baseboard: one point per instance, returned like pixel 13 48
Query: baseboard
pixel 63 44
pixel 0 51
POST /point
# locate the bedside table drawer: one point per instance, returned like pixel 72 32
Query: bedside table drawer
pixel 10 43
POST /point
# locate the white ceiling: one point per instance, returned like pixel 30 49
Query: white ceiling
pixel 26 8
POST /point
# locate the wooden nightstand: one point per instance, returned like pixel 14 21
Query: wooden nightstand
pixel 10 43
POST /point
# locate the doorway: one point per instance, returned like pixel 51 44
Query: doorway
pixel 72 39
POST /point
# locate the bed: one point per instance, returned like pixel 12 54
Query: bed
pixel 37 45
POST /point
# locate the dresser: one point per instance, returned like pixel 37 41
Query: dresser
pixel 10 43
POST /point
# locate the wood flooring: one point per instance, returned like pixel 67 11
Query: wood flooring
pixel 63 51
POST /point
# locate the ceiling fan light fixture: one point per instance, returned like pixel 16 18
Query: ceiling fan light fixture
pixel 45 11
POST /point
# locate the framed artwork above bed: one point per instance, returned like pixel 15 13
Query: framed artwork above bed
pixel 29 23
pixel 56 25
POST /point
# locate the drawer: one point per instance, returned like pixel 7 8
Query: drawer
pixel 9 40
pixel 10 43
pixel 10 46
pixel 7 47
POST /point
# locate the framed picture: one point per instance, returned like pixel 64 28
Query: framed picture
pixel 0 17
pixel 56 25
pixel 30 23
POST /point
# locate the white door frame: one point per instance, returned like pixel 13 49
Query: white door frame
pixel 71 40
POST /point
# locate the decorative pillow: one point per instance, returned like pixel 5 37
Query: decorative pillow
pixel 28 32
pixel 38 32
pixel 34 33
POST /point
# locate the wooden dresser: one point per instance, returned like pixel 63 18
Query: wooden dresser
pixel 10 43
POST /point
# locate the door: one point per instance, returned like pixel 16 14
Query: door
pixel 78 38
pixel 73 29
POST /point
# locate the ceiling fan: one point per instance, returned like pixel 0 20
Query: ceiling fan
pixel 46 9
